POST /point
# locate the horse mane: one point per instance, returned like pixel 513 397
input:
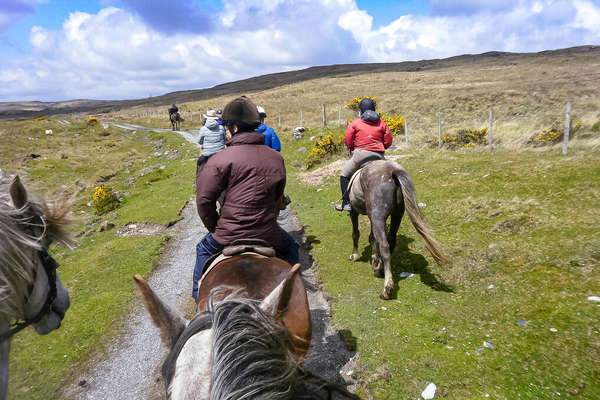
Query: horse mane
pixel 253 355
pixel 17 270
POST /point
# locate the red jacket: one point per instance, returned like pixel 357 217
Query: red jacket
pixel 253 176
pixel 367 135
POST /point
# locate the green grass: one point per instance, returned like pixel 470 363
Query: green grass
pixel 153 174
pixel 522 229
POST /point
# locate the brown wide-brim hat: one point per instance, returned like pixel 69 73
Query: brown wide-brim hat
pixel 241 110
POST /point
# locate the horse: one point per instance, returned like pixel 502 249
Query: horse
pixel 175 119
pixel 236 346
pixel 30 289
pixel 384 189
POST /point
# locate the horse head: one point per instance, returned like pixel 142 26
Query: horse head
pixel 31 291
pixel 30 288
pixel 237 347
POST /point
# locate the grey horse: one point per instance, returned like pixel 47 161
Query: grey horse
pixel 30 289
pixel 384 189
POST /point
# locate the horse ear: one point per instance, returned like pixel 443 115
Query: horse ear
pixel 278 300
pixel 18 193
pixel 170 322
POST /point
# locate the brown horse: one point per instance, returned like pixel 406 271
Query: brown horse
pixel 385 189
pixel 175 120
pixel 30 288
pixel 257 276
pixel 237 347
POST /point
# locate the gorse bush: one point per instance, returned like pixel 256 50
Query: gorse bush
pixel 394 122
pixel 466 138
pixel 353 104
pixel 555 133
pixel 325 147
pixel 105 200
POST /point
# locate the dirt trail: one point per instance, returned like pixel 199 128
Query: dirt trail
pixel 130 368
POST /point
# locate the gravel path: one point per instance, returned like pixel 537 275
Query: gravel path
pixel 130 368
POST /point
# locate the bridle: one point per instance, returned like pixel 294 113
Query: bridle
pixel 50 265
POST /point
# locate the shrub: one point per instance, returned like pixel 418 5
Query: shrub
pixel 92 121
pixel 394 122
pixel 596 127
pixel 353 104
pixel 40 118
pixel 324 147
pixel 555 133
pixel 466 138
pixel 105 200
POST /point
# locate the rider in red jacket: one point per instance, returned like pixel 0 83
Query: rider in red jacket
pixel 367 138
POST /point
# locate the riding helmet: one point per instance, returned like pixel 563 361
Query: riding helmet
pixel 366 104
pixel 241 110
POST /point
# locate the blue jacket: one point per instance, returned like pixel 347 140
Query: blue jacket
pixel 271 138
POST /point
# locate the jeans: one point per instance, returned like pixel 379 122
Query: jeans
pixel 288 250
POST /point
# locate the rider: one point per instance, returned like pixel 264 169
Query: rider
pixel 253 176
pixel 367 138
pixel 211 137
pixel 271 138
pixel 173 110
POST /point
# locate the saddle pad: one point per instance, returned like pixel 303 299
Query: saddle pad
pixel 217 260
pixel 354 177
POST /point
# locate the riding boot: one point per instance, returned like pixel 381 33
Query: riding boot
pixel 345 204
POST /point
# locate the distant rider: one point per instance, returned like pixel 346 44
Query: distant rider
pixel 253 176
pixel 173 110
pixel 367 138
pixel 271 138
pixel 211 137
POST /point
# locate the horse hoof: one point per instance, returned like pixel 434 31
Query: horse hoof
pixel 386 295
pixel 353 257
pixel 378 273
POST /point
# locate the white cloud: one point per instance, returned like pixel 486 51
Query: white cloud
pixel 115 54
pixel 525 27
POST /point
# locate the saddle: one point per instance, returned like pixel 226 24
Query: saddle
pixel 241 246
pixel 249 245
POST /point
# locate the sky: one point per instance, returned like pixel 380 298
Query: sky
pixel 55 50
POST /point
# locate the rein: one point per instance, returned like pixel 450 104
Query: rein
pixel 50 266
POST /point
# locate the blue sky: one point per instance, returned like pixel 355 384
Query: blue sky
pixel 54 50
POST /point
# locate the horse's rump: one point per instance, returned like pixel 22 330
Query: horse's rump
pixel 256 276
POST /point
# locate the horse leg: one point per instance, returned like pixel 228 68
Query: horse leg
pixel 355 235
pixel 395 221
pixel 375 255
pixel 378 229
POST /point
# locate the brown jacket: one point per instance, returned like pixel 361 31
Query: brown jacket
pixel 253 177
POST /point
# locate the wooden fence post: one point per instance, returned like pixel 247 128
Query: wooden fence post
pixel 301 118
pixel 406 132
pixel 324 116
pixel 279 121
pixel 440 128
pixel 491 128
pixel 339 116
pixel 567 128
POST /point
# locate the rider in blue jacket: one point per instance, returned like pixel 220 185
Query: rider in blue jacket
pixel 271 138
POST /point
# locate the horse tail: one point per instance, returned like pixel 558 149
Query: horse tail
pixel 416 216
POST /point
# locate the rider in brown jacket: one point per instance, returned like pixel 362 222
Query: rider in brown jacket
pixel 253 177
